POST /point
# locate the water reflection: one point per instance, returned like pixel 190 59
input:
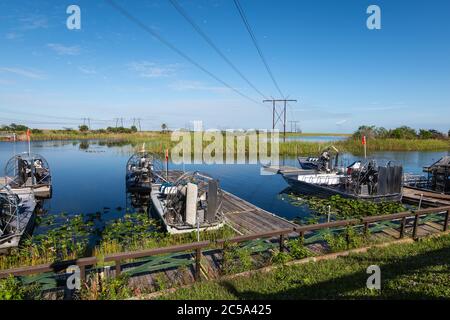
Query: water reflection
pixel 89 177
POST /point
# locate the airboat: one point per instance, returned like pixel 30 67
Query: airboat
pixel 323 177
pixel 192 203
pixel 28 171
pixel 16 215
pixel 143 169
pixel 436 179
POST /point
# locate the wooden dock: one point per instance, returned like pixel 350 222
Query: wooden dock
pixel 246 218
pixel 242 216
pixel 429 198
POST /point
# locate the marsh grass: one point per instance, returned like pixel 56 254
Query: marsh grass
pixel 157 142
pixel 386 144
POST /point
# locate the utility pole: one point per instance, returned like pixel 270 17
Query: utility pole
pixel 293 122
pixel 88 121
pixel 279 115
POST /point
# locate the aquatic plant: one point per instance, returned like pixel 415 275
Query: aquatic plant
pixel 64 241
pixel 137 232
pixel 343 208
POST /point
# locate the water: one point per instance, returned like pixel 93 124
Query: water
pixel 314 138
pixel 90 177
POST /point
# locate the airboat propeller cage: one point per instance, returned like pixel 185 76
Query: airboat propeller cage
pixel 9 211
pixel 198 189
pixel 27 169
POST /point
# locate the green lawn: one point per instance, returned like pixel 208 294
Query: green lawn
pixel 420 270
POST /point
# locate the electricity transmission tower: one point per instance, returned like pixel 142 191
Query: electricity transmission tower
pixel 137 123
pixel 293 122
pixel 279 114
pixel 88 121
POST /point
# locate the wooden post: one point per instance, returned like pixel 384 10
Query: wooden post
pixel 366 228
pixel 198 256
pixel 118 268
pixel 446 220
pixel 416 223
pixel 402 228
pixel 82 273
pixel 281 242
pixel 301 237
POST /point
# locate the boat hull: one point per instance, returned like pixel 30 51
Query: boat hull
pixel 323 191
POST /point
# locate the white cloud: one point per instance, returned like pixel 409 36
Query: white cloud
pixel 12 36
pixel 33 22
pixel 87 70
pixel 22 72
pixel 341 122
pixel 64 50
pixel 196 86
pixel 148 69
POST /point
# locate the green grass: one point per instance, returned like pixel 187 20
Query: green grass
pixel 157 142
pixel 355 146
pixel 420 270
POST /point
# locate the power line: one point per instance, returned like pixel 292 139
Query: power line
pixel 175 49
pixel 279 115
pixel 252 35
pixel 181 11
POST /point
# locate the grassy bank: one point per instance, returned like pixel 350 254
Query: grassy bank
pixel 408 271
pixel 354 146
pixel 158 141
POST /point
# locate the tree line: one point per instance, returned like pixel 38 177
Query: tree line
pixel 403 132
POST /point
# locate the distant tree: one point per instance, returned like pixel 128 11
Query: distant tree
pixel 403 132
pixel 164 127
pixel 425 134
pixel 368 131
pixel 437 134
pixel 381 132
pixel 83 128
pixel 134 129
pixel 17 127
pixel 36 130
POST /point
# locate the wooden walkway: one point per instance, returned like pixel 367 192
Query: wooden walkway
pixel 212 261
pixel 246 218
pixel 242 216
pixel 429 198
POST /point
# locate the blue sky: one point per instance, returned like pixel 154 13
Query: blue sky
pixel 320 53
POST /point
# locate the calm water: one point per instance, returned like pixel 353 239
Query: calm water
pixel 90 177
pixel 314 138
